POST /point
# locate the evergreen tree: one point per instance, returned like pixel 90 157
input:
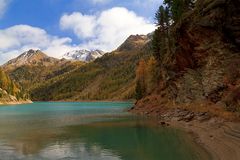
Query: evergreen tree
pixel 167 17
pixel 156 44
pixel 160 40
pixel 160 18
pixel 178 7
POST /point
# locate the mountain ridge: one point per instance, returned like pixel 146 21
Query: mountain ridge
pixel 134 42
pixel 83 81
pixel 30 57
pixel 83 55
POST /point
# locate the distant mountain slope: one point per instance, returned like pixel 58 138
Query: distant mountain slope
pixel 134 42
pixel 83 55
pixel 34 66
pixel 31 57
pixel 111 77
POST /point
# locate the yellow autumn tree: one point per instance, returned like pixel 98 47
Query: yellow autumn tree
pixel 7 84
pixel 4 80
pixel 141 80
pixel 152 74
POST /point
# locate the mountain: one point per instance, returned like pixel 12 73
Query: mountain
pixel 83 55
pixel 134 42
pixel 34 66
pixel 31 57
pixel 110 77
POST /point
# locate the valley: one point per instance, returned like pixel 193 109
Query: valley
pixel 111 77
pixel 174 90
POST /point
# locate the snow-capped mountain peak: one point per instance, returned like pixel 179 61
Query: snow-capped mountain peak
pixel 28 54
pixel 31 57
pixel 83 55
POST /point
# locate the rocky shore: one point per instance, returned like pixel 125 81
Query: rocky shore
pixel 15 102
pixel 221 138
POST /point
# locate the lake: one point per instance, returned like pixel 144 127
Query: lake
pixel 88 131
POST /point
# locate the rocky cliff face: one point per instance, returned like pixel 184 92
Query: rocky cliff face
pixel 205 64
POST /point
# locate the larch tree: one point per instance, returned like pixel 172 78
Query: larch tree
pixel 152 74
pixel 141 80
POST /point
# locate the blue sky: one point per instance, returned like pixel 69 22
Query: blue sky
pixel 58 26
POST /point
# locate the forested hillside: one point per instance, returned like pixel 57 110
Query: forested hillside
pixel 196 47
pixel 33 67
pixel 111 77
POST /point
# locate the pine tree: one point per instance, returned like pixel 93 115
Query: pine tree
pixel 178 7
pixel 167 17
pixel 161 41
pixel 160 17
pixel 156 44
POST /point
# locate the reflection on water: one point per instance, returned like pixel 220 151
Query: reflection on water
pixel 80 151
pixel 88 131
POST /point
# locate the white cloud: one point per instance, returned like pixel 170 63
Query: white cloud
pixel 107 30
pixel 19 38
pixel 78 22
pixel 3 6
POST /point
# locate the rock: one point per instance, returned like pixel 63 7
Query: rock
pixel 163 123
pixel 189 117
pixel 221 104
pixel 5 92
pixel 203 117
pixel 132 108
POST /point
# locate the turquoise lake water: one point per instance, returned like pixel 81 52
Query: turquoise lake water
pixel 88 131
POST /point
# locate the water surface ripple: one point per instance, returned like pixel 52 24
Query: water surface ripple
pixel 88 131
